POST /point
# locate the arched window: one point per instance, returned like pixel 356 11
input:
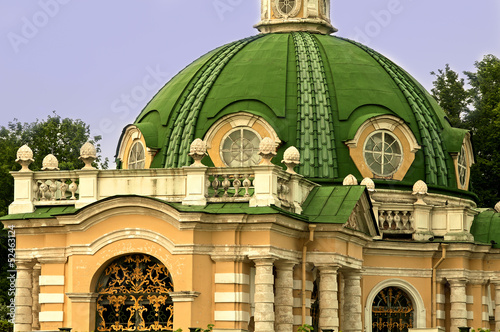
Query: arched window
pixel 134 295
pixel 137 156
pixel 392 311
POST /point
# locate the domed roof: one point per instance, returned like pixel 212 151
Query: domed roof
pixel 314 90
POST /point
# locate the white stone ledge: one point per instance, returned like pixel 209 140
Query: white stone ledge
pixel 486 316
pixel 440 314
pixel 297 284
pixel 232 278
pixel 50 298
pixel 230 297
pixel 51 316
pixel 231 316
pixel 470 315
pixel 48 280
pixel 440 298
pixel 470 299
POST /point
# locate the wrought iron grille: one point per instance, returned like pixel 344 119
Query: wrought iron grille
pixel 392 311
pixel 134 296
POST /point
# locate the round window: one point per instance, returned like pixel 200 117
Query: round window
pixel 383 153
pixel 137 157
pixel 462 167
pixel 240 148
pixel 287 7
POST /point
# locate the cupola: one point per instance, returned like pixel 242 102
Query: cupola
pixel 295 15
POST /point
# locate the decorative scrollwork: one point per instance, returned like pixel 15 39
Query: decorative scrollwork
pixel 134 295
pixel 392 310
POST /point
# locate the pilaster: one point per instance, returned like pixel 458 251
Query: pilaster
pixel 24 296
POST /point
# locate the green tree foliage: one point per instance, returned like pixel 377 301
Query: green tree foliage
pixel 61 137
pixel 484 122
pixel 451 95
pixel 476 109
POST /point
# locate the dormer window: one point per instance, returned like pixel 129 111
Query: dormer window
pixel 463 162
pixel 137 156
pixel 233 141
pixel 383 153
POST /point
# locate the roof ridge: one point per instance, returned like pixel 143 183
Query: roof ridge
pixel 314 127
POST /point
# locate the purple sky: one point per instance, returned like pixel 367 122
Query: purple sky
pixel 83 58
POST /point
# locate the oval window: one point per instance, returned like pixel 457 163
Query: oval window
pixel 383 153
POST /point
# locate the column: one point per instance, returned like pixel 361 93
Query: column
pixel 458 301
pixel 284 296
pixel 328 297
pixel 24 292
pixel 496 283
pixel 352 302
pixel 37 269
pixel 264 294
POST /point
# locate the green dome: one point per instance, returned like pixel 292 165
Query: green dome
pixel 314 90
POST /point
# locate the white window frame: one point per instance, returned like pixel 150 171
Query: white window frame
pixel 400 147
pixel 240 129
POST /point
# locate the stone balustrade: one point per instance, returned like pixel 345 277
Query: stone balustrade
pixel 257 185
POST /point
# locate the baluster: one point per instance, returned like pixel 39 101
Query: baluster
pixel 207 186
pixel 226 184
pixel 73 187
pixel 36 192
pixel 397 221
pixel 64 188
pixel 215 185
pixel 410 220
pixel 247 183
pixel 236 185
pixel 44 188
pixel 53 189
pixel 381 219
pixel 390 220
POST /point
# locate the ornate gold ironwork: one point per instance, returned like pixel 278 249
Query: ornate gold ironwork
pixel 392 310
pixel 134 296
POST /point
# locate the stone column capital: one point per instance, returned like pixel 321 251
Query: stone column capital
pixel 25 264
pixel 328 268
pixel 286 264
pixel 263 259
pixel 457 281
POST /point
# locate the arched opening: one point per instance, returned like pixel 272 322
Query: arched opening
pixel 419 312
pixel 392 311
pixel 133 294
